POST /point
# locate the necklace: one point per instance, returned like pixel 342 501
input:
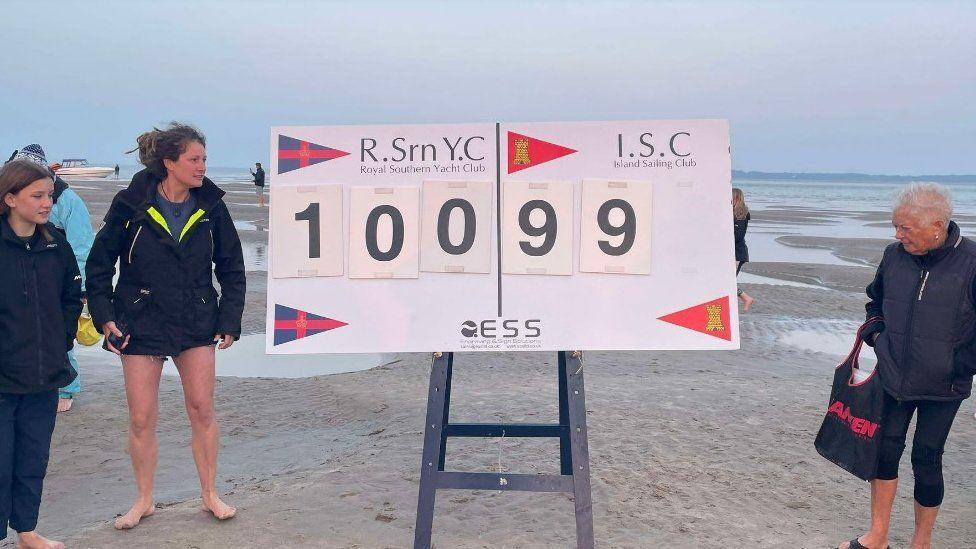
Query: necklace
pixel 177 206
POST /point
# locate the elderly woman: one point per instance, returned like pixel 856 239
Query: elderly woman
pixel 925 293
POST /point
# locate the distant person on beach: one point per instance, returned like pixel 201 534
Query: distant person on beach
pixel 40 300
pixel 116 171
pixel 70 216
pixel 741 217
pixel 259 182
pixel 171 232
pixel 925 293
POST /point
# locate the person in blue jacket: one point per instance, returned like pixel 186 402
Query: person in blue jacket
pixel 70 215
pixel 40 300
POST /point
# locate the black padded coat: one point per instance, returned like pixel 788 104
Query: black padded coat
pixel 165 294
pixel 40 300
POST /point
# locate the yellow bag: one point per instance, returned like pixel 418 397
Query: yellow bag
pixel 87 333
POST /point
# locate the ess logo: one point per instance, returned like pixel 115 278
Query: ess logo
pixel 511 328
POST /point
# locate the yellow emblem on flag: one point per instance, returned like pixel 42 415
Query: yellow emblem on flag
pixel 714 322
pixel 521 153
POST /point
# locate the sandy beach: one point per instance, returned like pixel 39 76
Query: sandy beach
pixel 687 449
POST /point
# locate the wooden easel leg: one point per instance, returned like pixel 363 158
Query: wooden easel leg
pixel 438 401
pixel 580 449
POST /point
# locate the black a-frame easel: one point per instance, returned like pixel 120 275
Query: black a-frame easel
pixel 574 463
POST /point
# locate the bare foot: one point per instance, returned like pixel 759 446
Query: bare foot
pixel 64 404
pixel 138 512
pixel 33 540
pixel 747 301
pixel 219 509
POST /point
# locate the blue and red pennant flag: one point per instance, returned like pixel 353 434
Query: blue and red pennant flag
pixel 291 324
pixel 295 153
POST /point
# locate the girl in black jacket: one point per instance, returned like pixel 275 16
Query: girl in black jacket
pixel 40 300
pixel 741 215
pixel 170 232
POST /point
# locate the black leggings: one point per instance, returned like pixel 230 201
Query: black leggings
pixel 931 431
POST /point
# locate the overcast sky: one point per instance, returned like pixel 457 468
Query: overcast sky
pixel 887 88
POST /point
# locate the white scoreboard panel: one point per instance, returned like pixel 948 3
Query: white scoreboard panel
pixel 500 237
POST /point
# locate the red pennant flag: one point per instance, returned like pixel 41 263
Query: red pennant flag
pixel 712 318
pixel 525 152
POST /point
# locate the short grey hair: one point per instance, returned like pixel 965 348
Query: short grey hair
pixel 929 201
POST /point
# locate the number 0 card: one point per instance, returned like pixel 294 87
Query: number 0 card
pixel 384 226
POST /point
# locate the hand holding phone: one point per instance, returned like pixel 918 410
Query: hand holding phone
pixel 116 336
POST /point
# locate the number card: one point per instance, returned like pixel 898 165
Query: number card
pixel 537 228
pixel 615 227
pixel 456 227
pixel 384 227
pixel 306 228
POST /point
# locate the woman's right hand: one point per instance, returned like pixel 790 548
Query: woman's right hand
pixel 109 328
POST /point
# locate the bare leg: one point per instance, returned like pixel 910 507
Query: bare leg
pixel 141 390
pixel 33 540
pixel 924 523
pixel 882 498
pixel 197 371
pixel 747 300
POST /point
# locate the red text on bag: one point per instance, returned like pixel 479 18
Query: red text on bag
pixel 859 425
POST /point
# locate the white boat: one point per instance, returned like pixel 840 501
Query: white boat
pixel 79 168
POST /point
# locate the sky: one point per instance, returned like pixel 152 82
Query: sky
pixel 870 87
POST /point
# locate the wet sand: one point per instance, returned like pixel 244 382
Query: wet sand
pixel 687 449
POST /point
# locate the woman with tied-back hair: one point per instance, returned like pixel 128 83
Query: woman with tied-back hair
pixel 170 232
pixel 924 295
pixel 741 217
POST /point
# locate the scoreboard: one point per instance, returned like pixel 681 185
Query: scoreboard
pixel 501 237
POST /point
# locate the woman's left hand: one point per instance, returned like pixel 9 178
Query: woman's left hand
pixel 226 340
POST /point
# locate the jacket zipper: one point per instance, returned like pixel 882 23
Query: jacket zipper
pixel 40 332
pixel 133 247
pixel 919 288
pixel 925 278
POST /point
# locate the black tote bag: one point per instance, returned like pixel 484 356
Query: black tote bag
pixel 850 435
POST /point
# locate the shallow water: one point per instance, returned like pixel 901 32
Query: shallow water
pixel 255 255
pixel 246 358
pixel 749 278
pixel 832 337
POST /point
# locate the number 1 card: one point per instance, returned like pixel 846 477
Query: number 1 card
pixel 306 229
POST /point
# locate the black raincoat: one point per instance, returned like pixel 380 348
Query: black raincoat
pixel 40 300
pixel 165 294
